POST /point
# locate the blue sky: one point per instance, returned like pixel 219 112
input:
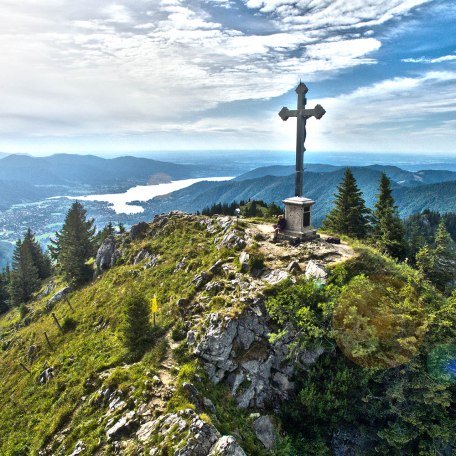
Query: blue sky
pixel 136 75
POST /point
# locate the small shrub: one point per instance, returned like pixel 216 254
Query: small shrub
pixel 69 324
pixel 23 311
pixel 136 329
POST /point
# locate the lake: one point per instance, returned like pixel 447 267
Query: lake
pixel 120 202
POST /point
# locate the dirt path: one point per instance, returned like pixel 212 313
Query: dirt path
pixel 279 255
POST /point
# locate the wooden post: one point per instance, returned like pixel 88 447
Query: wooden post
pixel 48 341
pixel 25 368
pixel 57 322
pixel 69 303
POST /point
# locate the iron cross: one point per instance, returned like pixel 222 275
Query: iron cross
pixel 302 115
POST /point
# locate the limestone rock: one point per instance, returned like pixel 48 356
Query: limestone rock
pixel 244 261
pixel 79 448
pixel 184 432
pixel 107 254
pixel 46 375
pixel 294 267
pixel 232 240
pixel 265 432
pixel 57 297
pixel 124 426
pixel 142 255
pixel 237 350
pixel 316 272
pixel 216 267
pixel 276 276
pixel 201 279
pixel 227 446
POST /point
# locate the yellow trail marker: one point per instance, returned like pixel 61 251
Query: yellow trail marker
pixel 154 306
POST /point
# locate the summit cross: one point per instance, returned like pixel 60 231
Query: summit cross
pixel 302 115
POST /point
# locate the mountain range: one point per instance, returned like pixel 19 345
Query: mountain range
pixel 413 191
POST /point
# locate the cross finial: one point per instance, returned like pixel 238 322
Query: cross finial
pixel 302 88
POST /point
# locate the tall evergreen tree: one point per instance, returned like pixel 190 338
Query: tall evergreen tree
pixel 24 277
pixel 350 215
pixel 74 245
pixel 438 263
pixel 40 259
pixel 4 292
pixel 388 231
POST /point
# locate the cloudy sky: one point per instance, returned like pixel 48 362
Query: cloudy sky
pixel 136 75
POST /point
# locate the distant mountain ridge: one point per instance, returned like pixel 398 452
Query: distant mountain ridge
pixel 69 169
pixel 415 192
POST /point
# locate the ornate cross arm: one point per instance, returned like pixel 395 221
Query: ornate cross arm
pixel 318 112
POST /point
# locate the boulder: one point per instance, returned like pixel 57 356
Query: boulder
pixel 124 426
pixel 107 254
pixel 183 433
pixel 142 255
pixel 46 375
pixel 79 448
pixel 232 240
pixel 244 261
pixel 201 279
pixel 275 276
pixel 57 297
pixel 227 446
pixel 265 432
pixel 316 272
pixel 139 231
pixel 216 267
pixel 294 267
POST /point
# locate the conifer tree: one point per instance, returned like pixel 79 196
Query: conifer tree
pixel 388 232
pixel 438 263
pixel 350 215
pixel 74 245
pixel 24 277
pixel 136 327
pixel 4 293
pixel 40 259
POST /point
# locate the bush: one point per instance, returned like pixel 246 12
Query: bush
pixel 69 324
pixel 23 311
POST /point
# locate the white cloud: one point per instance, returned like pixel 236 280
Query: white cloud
pixel 443 58
pixel 140 67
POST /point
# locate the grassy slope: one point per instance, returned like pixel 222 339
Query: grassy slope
pixel 30 414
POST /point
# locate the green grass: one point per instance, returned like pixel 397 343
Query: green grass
pixel 31 414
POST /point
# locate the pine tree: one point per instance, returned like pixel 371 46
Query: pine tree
pixel 350 216
pixel 40 259
pixel 438 263
pixel 24 277
pixel 74 245
pixel 4 293
pixel 136 328
pixel 388 232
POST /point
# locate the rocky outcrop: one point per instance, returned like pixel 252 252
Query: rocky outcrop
pixel 183 433
pixel 122 427
pixel 237 350
pixel 233 240
pixel 57 298
pixel 107 254
pixel 316 272
pixel 227 446
pixel 264 430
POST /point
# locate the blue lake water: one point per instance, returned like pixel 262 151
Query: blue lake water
pixel 121 202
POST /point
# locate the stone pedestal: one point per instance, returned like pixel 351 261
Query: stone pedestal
pixel 298 214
